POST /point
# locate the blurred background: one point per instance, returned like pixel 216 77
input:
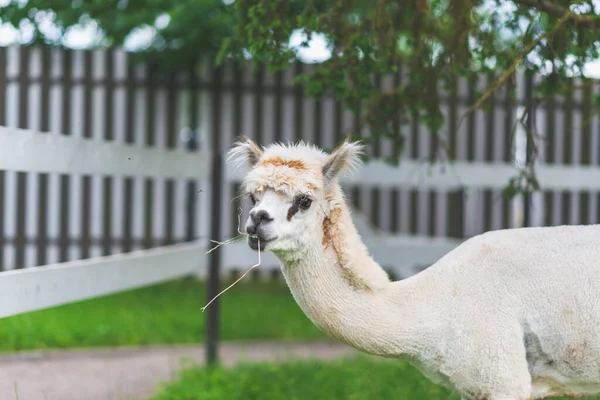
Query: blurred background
pixel 521 96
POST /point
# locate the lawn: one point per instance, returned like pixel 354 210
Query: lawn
pixel 168 313
pixel 353 378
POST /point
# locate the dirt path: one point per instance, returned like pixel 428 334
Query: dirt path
pixel 118 374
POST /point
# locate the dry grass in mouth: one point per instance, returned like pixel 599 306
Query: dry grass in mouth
pixel 237 239
pixel 229 241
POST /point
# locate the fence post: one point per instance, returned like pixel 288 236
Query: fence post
pixel 456 214
pixel 212 321
pixel 192 146
pixel 190 229
pixel 528 103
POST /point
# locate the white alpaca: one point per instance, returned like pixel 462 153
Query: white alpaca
pixel 510 314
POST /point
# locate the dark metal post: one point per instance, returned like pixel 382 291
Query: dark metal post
pixel 212 320
pixel 190 229
pixel 192 145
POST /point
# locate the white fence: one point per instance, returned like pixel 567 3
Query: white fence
pixel 35 288
pixel 46 286
pixel 47 218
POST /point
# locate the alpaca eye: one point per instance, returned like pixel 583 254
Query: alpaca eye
pixel 253 199
pixel 304 202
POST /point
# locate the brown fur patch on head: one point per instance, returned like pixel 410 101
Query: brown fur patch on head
pixel 280 162
pixel 288 177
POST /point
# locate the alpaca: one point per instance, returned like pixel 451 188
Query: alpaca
pixel 509 314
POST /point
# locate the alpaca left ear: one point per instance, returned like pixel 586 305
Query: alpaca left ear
pixel 345 159
pixel 245 151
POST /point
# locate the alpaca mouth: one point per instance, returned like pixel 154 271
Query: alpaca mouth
pixel 254 240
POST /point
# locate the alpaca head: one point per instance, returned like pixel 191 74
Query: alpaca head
pixel 294 189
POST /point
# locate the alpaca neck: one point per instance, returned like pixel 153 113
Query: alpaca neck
pixel 344 292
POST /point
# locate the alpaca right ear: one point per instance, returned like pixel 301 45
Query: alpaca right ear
pixel 345 159
pixel 245 151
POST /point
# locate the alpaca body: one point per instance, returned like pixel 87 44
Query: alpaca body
pixel 525 303
pixel 500 317
pixel 507 315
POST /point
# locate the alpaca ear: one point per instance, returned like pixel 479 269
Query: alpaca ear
pixel 345 159
pixel 245 151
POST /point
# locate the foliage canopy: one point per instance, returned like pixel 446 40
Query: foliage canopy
pixel 432 41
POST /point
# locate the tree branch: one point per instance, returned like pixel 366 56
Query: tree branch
pixel 513 67
pixel 589 21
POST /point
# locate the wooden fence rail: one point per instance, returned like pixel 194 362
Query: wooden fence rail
pixel 45 286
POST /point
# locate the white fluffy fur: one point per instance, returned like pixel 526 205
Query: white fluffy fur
pixel 510 314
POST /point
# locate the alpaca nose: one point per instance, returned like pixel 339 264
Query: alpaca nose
pixel 257 217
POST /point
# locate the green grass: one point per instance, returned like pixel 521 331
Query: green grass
pixel 353 378
pixel 163 314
